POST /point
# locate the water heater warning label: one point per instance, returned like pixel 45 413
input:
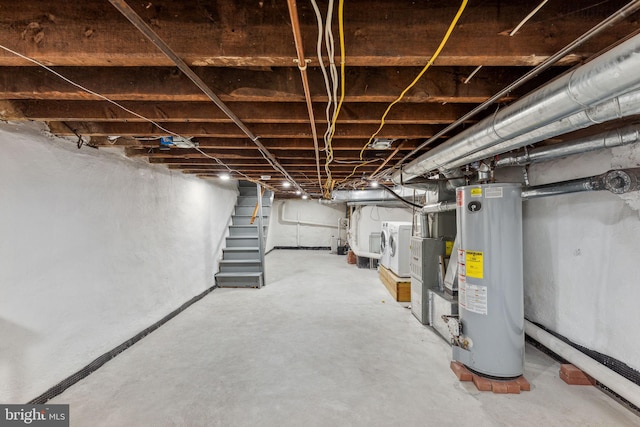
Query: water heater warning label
pixel 473 297
pixel 474 264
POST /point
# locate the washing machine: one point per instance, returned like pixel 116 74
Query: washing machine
pixel 399 247
pixel 384 245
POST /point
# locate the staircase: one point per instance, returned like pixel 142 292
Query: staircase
pixel 242 264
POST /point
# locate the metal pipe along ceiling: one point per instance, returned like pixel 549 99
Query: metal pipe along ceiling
pixel 618 181
pixel 611 74
pixel 622 106
pixel 615 138
pixel 621 14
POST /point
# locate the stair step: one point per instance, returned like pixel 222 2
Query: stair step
pixel 244 230
pixel 243 220
pixel 239 280
pixel 248 210
pixel 240 266
pixel 242 241
pixel 246 252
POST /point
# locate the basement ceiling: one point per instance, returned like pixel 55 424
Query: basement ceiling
pixel 245 53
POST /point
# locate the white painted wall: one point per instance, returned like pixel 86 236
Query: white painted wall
pixel 303 223
pixel 368 219
pixel 94 248
pixel 581 257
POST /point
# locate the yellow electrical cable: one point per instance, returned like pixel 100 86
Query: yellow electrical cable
pixel 330 182
pixel 426 67
pixel 413 83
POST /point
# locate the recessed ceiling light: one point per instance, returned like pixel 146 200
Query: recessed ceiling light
pixel 265 177
pixel 304 196
pixel 374 184
pixel 286 184
pixel 225 177
pixel 298 192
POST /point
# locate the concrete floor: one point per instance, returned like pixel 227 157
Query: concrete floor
pixel 323 344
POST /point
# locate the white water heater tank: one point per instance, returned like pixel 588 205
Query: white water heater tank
pixel 490 280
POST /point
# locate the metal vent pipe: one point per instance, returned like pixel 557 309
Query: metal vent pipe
pixel 616 181
pixel 611 74
pixel 624 105
pixel 615 138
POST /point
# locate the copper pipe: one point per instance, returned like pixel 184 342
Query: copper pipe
pixel 302 65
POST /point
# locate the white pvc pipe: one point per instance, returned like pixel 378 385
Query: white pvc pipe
pixel 616 382
pixel 362 253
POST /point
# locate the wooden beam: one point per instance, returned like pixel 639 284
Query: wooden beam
pixel 249 112
pixel 248 33
pixel 240 163
pixel 339 144
pixel 265 168
pixel 281 153
pixel 228 130
pixel 441 84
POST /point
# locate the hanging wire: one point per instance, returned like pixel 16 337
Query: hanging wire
pixel 140 116
pixel 330 182
pixel 435 55
pixel 328 85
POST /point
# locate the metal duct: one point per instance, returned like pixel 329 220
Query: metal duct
pixel 379 195
pixel 439 207
pixel 616 181
pixel 624 105
pixel 621 14
pixel 615 138
pixel 611 74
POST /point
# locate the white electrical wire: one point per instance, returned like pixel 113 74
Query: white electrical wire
pixel 526 18
pixel 156 124
pixel 327 84
pixel 333 70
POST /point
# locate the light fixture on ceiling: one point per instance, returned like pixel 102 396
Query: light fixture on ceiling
pixel 381 143
pixel 374 184
pixel 298 192
pixel 286 184
pixel 265 177
pixel 305 197
pixel 225 176
pixel 177 142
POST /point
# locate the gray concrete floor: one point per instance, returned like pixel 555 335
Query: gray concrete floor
pixel 323 344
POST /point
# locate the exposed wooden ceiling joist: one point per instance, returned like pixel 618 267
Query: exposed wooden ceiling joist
pixel 257 34
pixel 244 50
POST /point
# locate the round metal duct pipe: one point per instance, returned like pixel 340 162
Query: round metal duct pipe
pixel 624 105
pixel 609 75
pixel 615 138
